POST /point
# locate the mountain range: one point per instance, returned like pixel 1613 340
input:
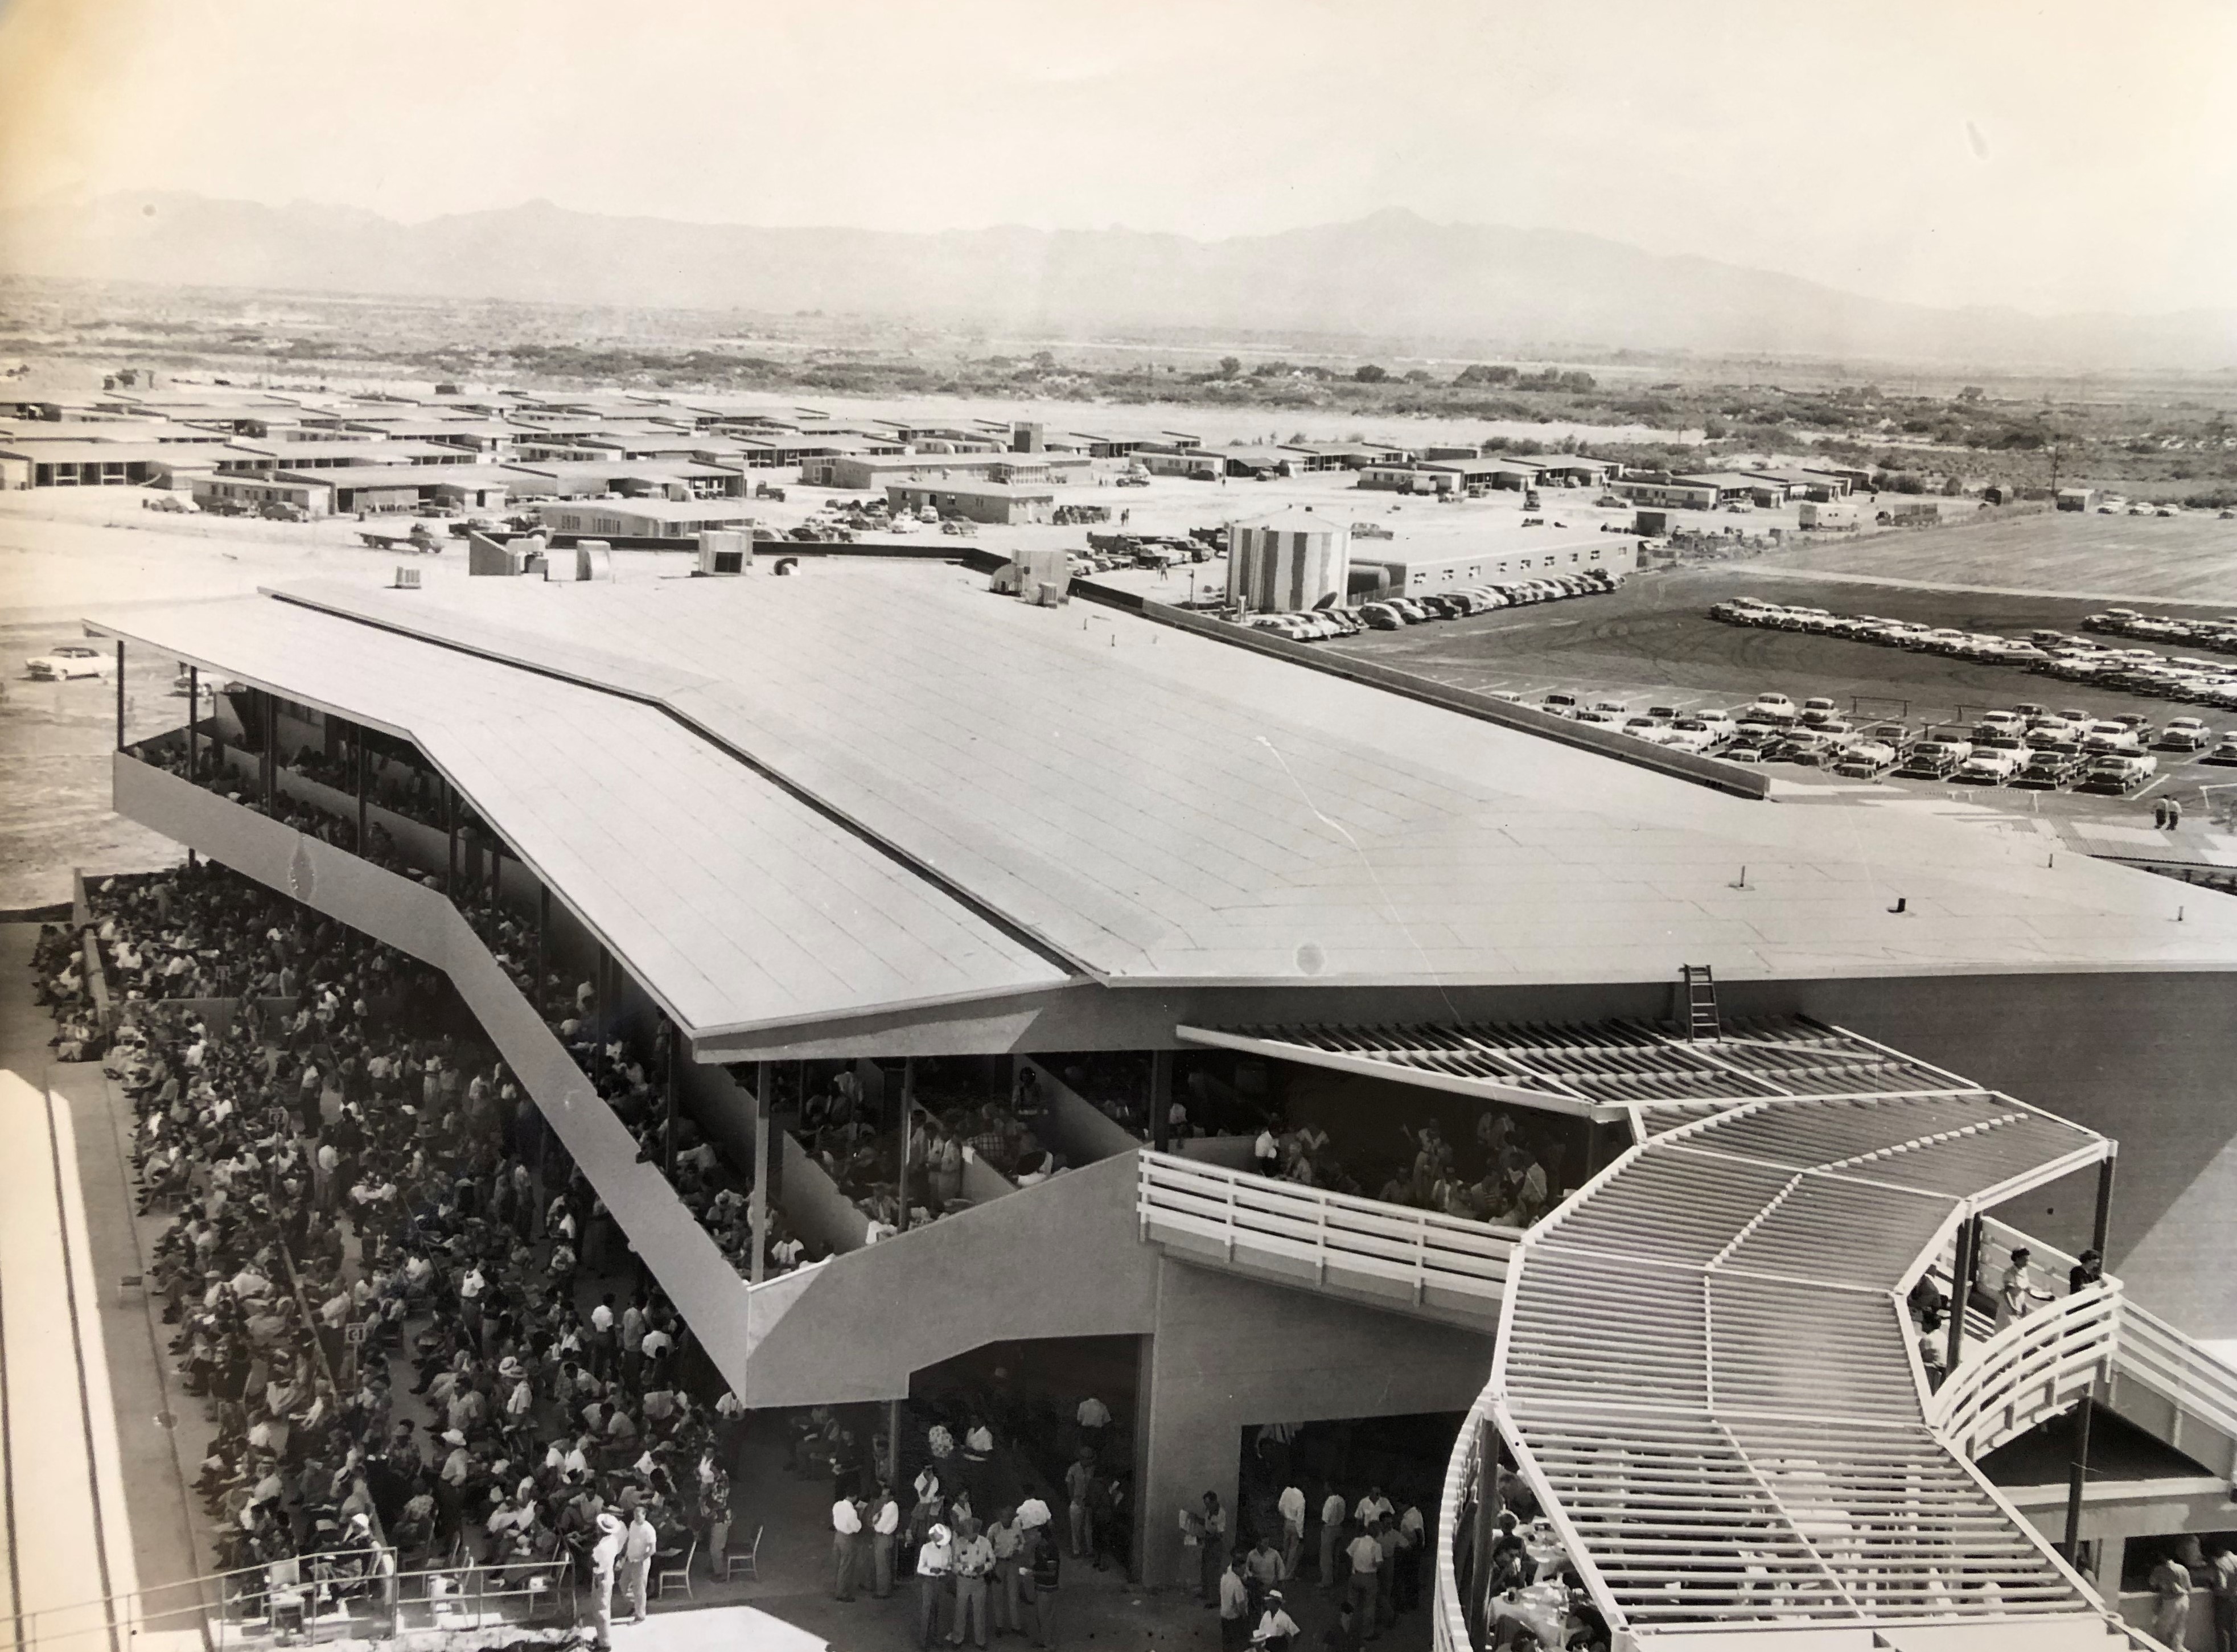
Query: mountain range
pixel 1392 276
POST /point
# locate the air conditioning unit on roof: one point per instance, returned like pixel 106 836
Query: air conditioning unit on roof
pixel 407 579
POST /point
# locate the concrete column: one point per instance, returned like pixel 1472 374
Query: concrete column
pixel 364 786
pixel 1161 1097
pixel 119 694
pixel 757 1205
pixel 193 712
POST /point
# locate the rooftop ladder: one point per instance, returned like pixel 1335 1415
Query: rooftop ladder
pixel 1701 1021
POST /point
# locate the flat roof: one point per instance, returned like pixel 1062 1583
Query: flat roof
pixel 973 490
pixel 1177 810
pixel 737 903
pixel 666 510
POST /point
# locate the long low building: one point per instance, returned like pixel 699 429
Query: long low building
pixel 1775 1063
pixel 613 518
pixel 973 501
pixel 1409 569
pixel 876 470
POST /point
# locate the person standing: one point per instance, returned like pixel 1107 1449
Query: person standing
pixel 1291 1503
pixel 846 1533
pixel 2017 1294
pixel 1366 1557
pixel 2088 1268
pixel 604 1556
pixel 1209 1529
pixel 935 1558
pixel 1234 1606
pixel 1048 1570
pixel 637 1546
pixel 885 1533
pixel 1003 1581
pixel 2221 1578
pixel 1413 1542
pixel 1333 1509
pixel 1076 1480
pixel 2170 1585
pixel 974 1558
pixel 1276 1630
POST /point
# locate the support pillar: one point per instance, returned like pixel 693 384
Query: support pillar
pixel 758 1202
pixel 119 694
pixel 271 770
pixel 194 717
pixel 892 1467
pixel 2078 1478
pixel 1961 1289
pixel 451 837
pixel 2102 1229
pixel 364 790
pixel 1161 1098
pixel 907 1116
pixel 542 941
pixel 668 1155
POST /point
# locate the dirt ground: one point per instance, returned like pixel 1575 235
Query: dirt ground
pixel 2190 559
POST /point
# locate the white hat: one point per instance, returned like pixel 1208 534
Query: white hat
pixel 608 1523
pixel 1033 1512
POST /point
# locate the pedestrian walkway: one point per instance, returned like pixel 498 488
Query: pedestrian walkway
pixel 69 1543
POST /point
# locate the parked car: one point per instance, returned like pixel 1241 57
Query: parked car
pixel 2224 752
pixel 1931 760
pixel 1771 708
pixel 1866 760
pixel 2119 772
pixel 2047 770
pixel 1992 762
pixel 2185 734
pixel 1694 735
pixel 68 660
pixel 1561 705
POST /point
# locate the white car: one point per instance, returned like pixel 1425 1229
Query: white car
pixel 1694 735
pixel 71 659
pixel 2103 737
pixel 1774 706
pixel 1646 729
pixel 1993 763
pixel 2186 734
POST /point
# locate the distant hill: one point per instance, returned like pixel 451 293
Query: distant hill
pixel 1392 276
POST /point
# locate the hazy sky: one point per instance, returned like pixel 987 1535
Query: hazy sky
pixel 2061 156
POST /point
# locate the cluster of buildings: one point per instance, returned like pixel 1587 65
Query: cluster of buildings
pixel 660 466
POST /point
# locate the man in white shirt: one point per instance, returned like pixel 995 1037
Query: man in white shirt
pixel 1366 1557
pixel 1332 1512
pixel 885 1532
pixel 846 1532
pixel 1291 1503
pixel 1093 1414
pixel 1373 1507
pixel 605 1555
pixel 936 1557
pixel 1277 1629
pixel 637 1545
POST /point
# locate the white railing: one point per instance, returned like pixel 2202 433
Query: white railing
pixel 2196 1391
pixel 1448 1624
pixel 2035 1367
pixel 1310 1234
pixel 2160 1378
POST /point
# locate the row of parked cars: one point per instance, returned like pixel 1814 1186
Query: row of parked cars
pixel 2220 635
pixel 2028 746
pixel 2069 657
pixel 1396 613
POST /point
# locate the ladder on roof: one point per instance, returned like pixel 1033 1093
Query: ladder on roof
pixel 1701 1021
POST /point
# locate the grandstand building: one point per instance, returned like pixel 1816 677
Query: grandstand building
pixel 872 814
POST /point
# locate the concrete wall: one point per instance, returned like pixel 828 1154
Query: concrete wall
pixel 1063 1259
pixel 1230 1353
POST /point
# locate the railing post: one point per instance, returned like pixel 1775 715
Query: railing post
pixel 1231 1216
pixel 1320 1254
pixel 1421 1260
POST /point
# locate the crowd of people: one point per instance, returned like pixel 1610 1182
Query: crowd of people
pixel 367 1208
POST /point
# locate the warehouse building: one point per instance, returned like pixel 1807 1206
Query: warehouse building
pixel 681 520
pixel 1421 569
pixel 874 470
pixel 1000 503
pixel 1665 494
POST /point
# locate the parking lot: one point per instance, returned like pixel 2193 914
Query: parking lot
pixel 1652 644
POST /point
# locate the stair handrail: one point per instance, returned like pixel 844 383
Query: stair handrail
pixel 2076 1335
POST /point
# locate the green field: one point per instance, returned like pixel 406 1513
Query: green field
pixel 2190 559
